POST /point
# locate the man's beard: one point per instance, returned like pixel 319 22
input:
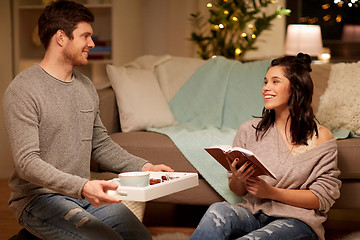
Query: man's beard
pixel 75 58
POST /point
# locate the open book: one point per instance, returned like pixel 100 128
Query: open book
pixel 220 152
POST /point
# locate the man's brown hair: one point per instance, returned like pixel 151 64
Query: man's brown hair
pixel 61 15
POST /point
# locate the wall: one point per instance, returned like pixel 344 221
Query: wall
pixel 166 27
pixel 127 43
pixel 6 77
pixel 152 27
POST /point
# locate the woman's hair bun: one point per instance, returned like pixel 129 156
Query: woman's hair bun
pixel 306 59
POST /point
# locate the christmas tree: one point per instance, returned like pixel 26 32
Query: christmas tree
pixel 235 26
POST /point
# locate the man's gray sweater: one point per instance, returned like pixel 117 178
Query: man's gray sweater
pixel 54 130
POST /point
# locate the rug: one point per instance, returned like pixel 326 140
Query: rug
pixel 171 236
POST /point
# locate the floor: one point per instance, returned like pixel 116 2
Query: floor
pixel 8 223
pixel 168 218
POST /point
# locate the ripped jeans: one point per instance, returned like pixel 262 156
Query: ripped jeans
pixel 54 216
pixel 225 221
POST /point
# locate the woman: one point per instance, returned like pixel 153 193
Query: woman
pixel 301 153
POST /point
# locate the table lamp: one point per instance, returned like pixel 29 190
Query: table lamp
pixel 303 38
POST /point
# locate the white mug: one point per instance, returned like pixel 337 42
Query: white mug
pixel 134 179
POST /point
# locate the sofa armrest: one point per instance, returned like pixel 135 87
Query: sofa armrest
pixel 109 113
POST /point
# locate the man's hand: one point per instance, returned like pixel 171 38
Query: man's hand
pixel 156 168
pixel 95 192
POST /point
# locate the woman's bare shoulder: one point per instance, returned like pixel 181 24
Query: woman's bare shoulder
pixel 324 135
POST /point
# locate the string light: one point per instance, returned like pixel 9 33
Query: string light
pixel 209 5
pixel 235 19
pixel 341 2
pixel 326 17
pixel 327 6
pixel 243 34
pixel 238 51
pixel 221 26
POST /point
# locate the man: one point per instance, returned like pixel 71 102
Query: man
pixel 52 118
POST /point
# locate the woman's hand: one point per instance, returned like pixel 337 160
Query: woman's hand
pixel 237 182
pixel 259 188
pixel 244 172
pixel 295 197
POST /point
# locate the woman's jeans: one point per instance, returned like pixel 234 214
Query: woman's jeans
pixel 225 221
pixel 54 216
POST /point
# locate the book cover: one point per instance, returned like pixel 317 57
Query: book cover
pixel 220 152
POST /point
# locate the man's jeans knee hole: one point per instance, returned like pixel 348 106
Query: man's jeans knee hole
pixel 72 213
pixel 82 222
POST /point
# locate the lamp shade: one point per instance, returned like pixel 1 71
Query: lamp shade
pixel 303 38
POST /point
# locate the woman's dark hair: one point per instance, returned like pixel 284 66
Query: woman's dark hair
pixel 297 70
pixel 63 15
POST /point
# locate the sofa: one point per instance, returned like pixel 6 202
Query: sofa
pixel 159 148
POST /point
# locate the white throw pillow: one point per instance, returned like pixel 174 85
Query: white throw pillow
pixel 140 101
pixel 173 73
pixel 339 106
